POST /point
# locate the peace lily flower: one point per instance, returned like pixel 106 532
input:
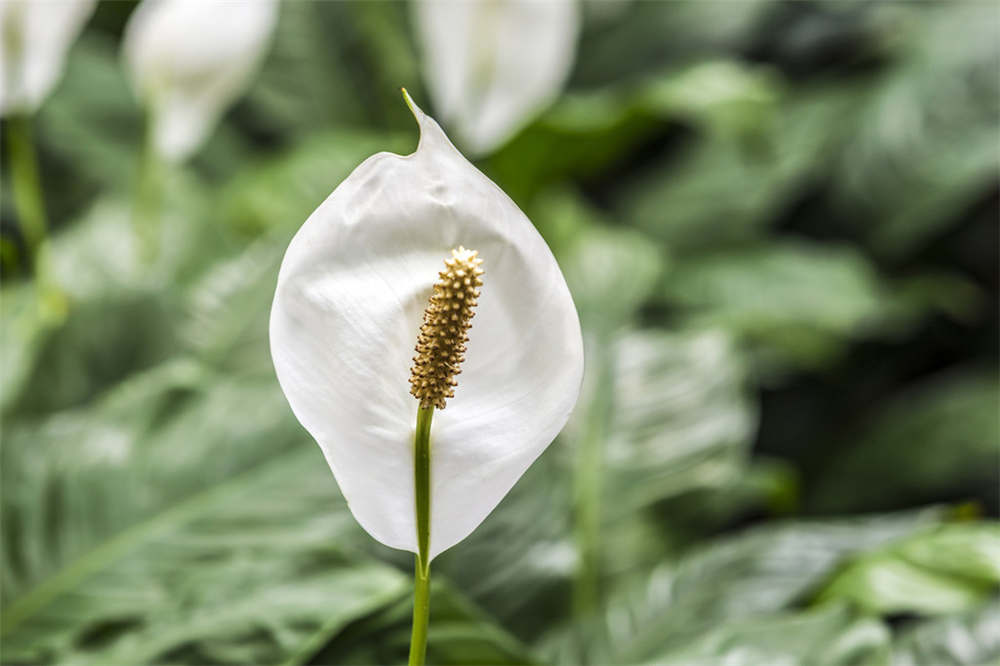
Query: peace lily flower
pixel 34 39
pixel 189 60
pixel 424 251
pixel 492 65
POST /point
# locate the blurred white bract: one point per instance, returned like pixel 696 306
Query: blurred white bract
pixel 190 59
pixel 34 39
pixel 492 65
pixel 347 310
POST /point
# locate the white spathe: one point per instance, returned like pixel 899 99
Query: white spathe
pixel 347 310
pixel 492 65
pixel 189 60
pixel 34 38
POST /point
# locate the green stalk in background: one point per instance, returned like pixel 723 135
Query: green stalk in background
pixel 28 200
pixel 148 197
pixel 588 487
pixel 422 572
pixel 29 204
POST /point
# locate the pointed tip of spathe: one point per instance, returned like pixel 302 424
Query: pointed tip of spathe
pixel 431 133
pixel 414 109
pixel 425 123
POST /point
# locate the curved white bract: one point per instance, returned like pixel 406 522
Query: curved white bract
pixel 34 39
pixel 190 59
pixel 492 65
pixel 346 313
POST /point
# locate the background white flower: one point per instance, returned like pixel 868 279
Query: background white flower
pixel 347 309
pixel 34 39
pixel 491 65
pixel 189 60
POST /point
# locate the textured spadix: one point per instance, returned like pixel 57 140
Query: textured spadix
pixel 190 59
pixel 347 311
pixel 447 320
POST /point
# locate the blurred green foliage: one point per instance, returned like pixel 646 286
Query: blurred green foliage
pixel 779 224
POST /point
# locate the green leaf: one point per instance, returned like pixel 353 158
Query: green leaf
pixel 962 550
pixel 25 326
pixel 764 570
pixel 888 584
pixel 587 133
pixel 950 569
pixel 252 571
pixel 936 439
pixel 116 302
pixel 911 161
pixel 724 188
pixel 611 271
pixel 683 417
pixel 758 289
pixel 968 639
pixel 630 43
pixel 831 636
pixel 224 314
pixel 307 80
pixel 580 136
pixel 74 478
pixel 384 31
pixel 92 120
pixel 66 362
pixel 800 304
pixel 724 97
pixel 767 486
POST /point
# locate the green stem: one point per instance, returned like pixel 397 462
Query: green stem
pixel 588 489
pixel 422 569
pixel 28 200
pixel 148 196
pixel 421 613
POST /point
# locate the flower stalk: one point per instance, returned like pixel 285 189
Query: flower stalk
pixel 28 200
pixel 148 197
pixel 440 352
pixel 589 488
pixel 422 569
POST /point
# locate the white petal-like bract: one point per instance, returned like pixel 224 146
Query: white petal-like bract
pixel 190 59
pixel 34 39
pixel 492 65
pixel 346 313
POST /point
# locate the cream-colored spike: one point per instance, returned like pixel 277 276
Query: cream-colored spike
pixel 441 343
